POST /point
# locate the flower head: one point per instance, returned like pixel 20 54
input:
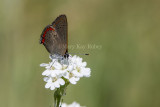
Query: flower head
pixel 74 104
pixel 61 70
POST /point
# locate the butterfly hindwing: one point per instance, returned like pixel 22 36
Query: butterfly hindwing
pixel 54 37
pixel 51 40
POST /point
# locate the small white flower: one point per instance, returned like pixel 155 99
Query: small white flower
pixel 74 104
pixel 70 75
pixel 53 82
pixel 46 72
pixel 58 70
pixel 86 72
pixel 71 78
pixel 79 67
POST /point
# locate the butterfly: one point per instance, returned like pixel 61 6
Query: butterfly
pixel 55 37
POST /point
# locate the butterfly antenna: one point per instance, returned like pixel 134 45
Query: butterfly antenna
pixel 80 53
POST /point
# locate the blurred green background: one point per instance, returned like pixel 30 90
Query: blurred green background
pixel 125 70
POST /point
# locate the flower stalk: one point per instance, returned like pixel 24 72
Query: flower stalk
pixel 59 93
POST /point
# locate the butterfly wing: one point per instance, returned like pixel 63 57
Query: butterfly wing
pixel 61 27
pixel 51 40
pixel 54 37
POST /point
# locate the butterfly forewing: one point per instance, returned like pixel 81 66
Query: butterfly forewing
pixel 60 24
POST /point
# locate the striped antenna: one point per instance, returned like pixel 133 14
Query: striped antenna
pixel 79 53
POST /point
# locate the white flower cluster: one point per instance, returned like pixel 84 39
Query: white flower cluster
pixel 74 104
pixel 70 69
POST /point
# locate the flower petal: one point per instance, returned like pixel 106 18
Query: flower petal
pixel 56 84
pixel 61 81
pixel 57 65
pixel 70 68
pixel 48 85
pixel 53 74
pixel 45 79
pixel 46 72
pixel 86 72
pixel 72 80
pixel 52 87
pixel 77 74
pixel 66 75
pixel 77 79
pixel 84 64
pixel 50 80
pixel 43 65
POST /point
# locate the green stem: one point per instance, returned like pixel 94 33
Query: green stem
pixel 59 93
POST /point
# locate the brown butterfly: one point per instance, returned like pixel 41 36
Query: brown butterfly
pixel 55 37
